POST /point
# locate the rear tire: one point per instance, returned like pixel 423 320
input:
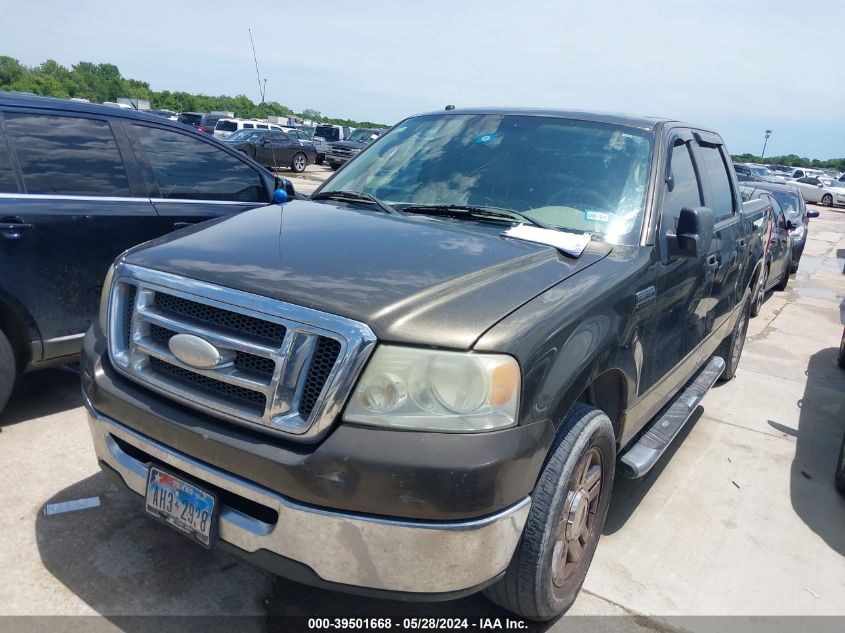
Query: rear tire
pixel 760 294
pixel 8 370
pixel 568 510
pixel 731 348
pixel 784 281
pixel 827 200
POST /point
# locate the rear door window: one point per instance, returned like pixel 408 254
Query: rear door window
pixel 226 126
pixel 64 155
pixel 188 168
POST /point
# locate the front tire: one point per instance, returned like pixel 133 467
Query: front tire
pixel 299 163
pixel 827 200
pixel 568 510
pixel 731 348
pixel 8 370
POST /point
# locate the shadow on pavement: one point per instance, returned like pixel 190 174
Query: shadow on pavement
pixel 819 434
pixel 123 564
pixel 40 394
pixel 629 493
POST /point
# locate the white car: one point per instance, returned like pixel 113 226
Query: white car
pixel 826 193
pixel 224 127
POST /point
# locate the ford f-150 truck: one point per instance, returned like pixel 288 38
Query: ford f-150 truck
pixel 421 382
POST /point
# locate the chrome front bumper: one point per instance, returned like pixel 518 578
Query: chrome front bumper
pixel 370 552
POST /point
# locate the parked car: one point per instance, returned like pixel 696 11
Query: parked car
pixel 209 120
pixel 305 136
pixel 814 190
pixel 839 477
pixel 332 132
pixel 438 386
pixel 224 127
pixel 778 249
pixel 275 149
pixel 342 151
pixel 744 173
pixel 190 118
pixel 806 172
pixel 792 202
pixel 837 187
pixel 167 114
pixel 80 183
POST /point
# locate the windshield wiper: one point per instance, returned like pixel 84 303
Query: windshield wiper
pixel 467 210
pixel 356 196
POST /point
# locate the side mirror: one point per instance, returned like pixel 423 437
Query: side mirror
pixel 812 214
pixel 284 186
pixel 820 186
pixel 693 235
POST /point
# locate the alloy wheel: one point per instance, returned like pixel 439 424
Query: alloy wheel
pixel 577 524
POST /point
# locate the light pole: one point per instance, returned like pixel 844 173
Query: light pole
pixel 768 134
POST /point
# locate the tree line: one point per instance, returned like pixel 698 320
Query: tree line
pixel 792 160
pixel 103 82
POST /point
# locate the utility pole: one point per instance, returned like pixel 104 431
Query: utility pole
pixel 257 75
pixel 768 134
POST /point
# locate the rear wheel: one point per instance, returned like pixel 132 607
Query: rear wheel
pixel 760 295
pixel 8 370
pixel 827 200
pixel 731 348
pixel 784 280
pixel 299 163
pixel 569 506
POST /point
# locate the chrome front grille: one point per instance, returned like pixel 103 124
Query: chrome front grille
pixel 290 368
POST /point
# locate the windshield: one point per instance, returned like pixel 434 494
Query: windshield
pixel 362 136
pixel 574 175
pixel 760 171
pixel 789 203
pixel 190 119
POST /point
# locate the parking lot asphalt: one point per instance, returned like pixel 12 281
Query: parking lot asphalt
pixel 740 517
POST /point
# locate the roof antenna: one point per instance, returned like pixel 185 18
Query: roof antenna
pixel 257 75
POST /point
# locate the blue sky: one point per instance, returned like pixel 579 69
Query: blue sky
pixel 737 66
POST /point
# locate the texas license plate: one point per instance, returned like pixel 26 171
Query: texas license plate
pixel 181 504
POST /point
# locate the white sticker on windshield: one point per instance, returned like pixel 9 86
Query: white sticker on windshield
pixel 570 243
pixel 597 216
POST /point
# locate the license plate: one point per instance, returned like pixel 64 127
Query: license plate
pixel 182 505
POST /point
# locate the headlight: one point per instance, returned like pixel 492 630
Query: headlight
pixel 798 233
pixel 429 390
pixel 105 295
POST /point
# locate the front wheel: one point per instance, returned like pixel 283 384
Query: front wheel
pixel 827 200
pixel 299 163
pixel 569 506
pixel 8 370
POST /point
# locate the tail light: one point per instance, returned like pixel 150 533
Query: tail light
pixel 201 128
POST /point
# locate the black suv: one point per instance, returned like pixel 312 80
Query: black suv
pixel 340 152
pixel 79 184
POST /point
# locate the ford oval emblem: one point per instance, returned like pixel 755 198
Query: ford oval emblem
pixel 197 352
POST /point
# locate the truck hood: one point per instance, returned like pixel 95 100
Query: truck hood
pixel 349 144
pixel 412 279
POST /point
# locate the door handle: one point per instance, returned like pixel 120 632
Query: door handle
pixel 712 261
pixel 12 228
pixel 740 243
pixel 183 224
